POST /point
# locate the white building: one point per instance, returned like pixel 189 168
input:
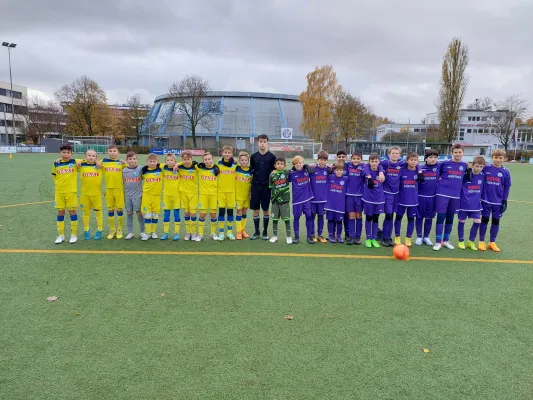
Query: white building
pixel 18 99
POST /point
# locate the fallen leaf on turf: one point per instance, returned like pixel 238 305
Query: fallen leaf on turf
pixel 76 313
pixel 164 295
pixel 425 350
pixel 324 315
pixel 289 317
pixel 51 298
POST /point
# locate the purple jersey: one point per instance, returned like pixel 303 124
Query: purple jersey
pixel 319 181
pixel 471 193
pixel 497 184
pixel 336 193
pixel 428 188
pixel 408 195
pixel 301 187
pixel 376 194
pixel 356 179
pixel 451 178
pixel 391 170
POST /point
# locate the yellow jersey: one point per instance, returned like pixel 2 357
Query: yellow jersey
pixel 171 187
pixel 226 179
pixel 208 179
pixel 243 183
pixel 188 178
pixel 91 179
pixel 65 175
pixel 113 173
pixel 153 180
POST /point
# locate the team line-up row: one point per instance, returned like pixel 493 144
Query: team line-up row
pixel 341 192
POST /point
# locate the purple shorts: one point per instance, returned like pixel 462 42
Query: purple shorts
pixel 488 209
pixel 411 211
pixel 463 215
pixel 391 202
pixel 372 209
pixel 426 207
pixel 354 204
pixel 334 216
pixel 445 205
pixel 317 208
pixel 302 208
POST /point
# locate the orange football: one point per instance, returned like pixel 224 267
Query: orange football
pixel 401 252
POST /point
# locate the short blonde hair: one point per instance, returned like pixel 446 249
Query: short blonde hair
pixel 479 160
pixel 171 156
pixel 206 154
pixel 338 166
pixel 186 153
pixel 227 147
pixel 395 148
pixel 244 154
pixel 296 159
pixel 152 156
pixel 499 152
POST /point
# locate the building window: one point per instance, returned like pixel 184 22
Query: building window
pixel 461 134
pixel 486 131
pixel 424 130
pixel 474 130
pixel 482 151
pixel 469 131
pixel 478 118
pixel 417 130
pixel 493 131
pixel 483 118
pixel 470 118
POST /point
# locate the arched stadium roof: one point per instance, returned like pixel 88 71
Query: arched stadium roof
pixel 257 95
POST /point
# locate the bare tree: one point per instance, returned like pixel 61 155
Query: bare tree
pixel 505 117
pixel 453 88
pixel 484 104
pixel 192 108
pixel 133 118
pixel 351 116
pixel 44 116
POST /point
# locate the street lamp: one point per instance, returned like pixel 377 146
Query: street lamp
pixel 9 47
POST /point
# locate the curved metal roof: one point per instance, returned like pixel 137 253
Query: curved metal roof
pixel 260 95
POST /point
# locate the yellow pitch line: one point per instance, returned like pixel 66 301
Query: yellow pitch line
pixel 260 254
pixel 521 201
pixel 26 204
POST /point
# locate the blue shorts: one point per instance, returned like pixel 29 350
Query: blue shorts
pixel 445 205
pixel 373 209
pixel 463 215
pixel 354 204
pixel 391 202
pixel 302 208
pixel 426 207
pixel 317 208
pixel 334 216
pixel 411 211
pixel 488 209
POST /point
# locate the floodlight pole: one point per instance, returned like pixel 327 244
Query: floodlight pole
pixel 9 47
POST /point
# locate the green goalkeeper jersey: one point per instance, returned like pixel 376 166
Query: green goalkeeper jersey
pixel 279 183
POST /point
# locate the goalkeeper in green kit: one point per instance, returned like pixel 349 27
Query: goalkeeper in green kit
pixel 281 196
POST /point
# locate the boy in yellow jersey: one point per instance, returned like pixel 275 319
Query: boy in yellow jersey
pixel 91 193
pixel 243 184
pixel 152 175
pixel 226 191
pixel 188 192
pixel 207 175
pixel 66 193
pixel 114 190
pixel 171 197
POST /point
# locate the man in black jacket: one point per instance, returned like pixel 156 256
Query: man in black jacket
pixel 261 164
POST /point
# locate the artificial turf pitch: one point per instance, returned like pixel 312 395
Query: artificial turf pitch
pixel 195 326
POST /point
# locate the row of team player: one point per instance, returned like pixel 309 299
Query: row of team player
pixel 420 191
pixel 392 190
pixel 205 187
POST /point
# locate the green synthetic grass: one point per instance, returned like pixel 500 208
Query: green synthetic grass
pixel 219 330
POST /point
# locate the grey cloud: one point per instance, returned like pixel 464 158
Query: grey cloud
pixel 378 48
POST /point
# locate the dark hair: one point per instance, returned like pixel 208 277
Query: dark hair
pixel 280 159
pixel 373 156
pixel 412 155
pixel 112 146
pixel 457 146
pixel 431 152
pixel 263 136
pixel 130 154
pixel 341 152
pixel 479 160
pixel 357 153
pixel 322 154
pixel 66 147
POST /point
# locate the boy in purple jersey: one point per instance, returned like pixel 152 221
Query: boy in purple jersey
pixel 335 205
pixel 448 195
pixel 426 197
pixel 319 180
pixel 355 172
pixel 373 201
pixel 407 199
pixel 494 198
pixel 470 204
pixel 301 197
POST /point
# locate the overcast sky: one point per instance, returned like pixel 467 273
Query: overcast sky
pixel 387 52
